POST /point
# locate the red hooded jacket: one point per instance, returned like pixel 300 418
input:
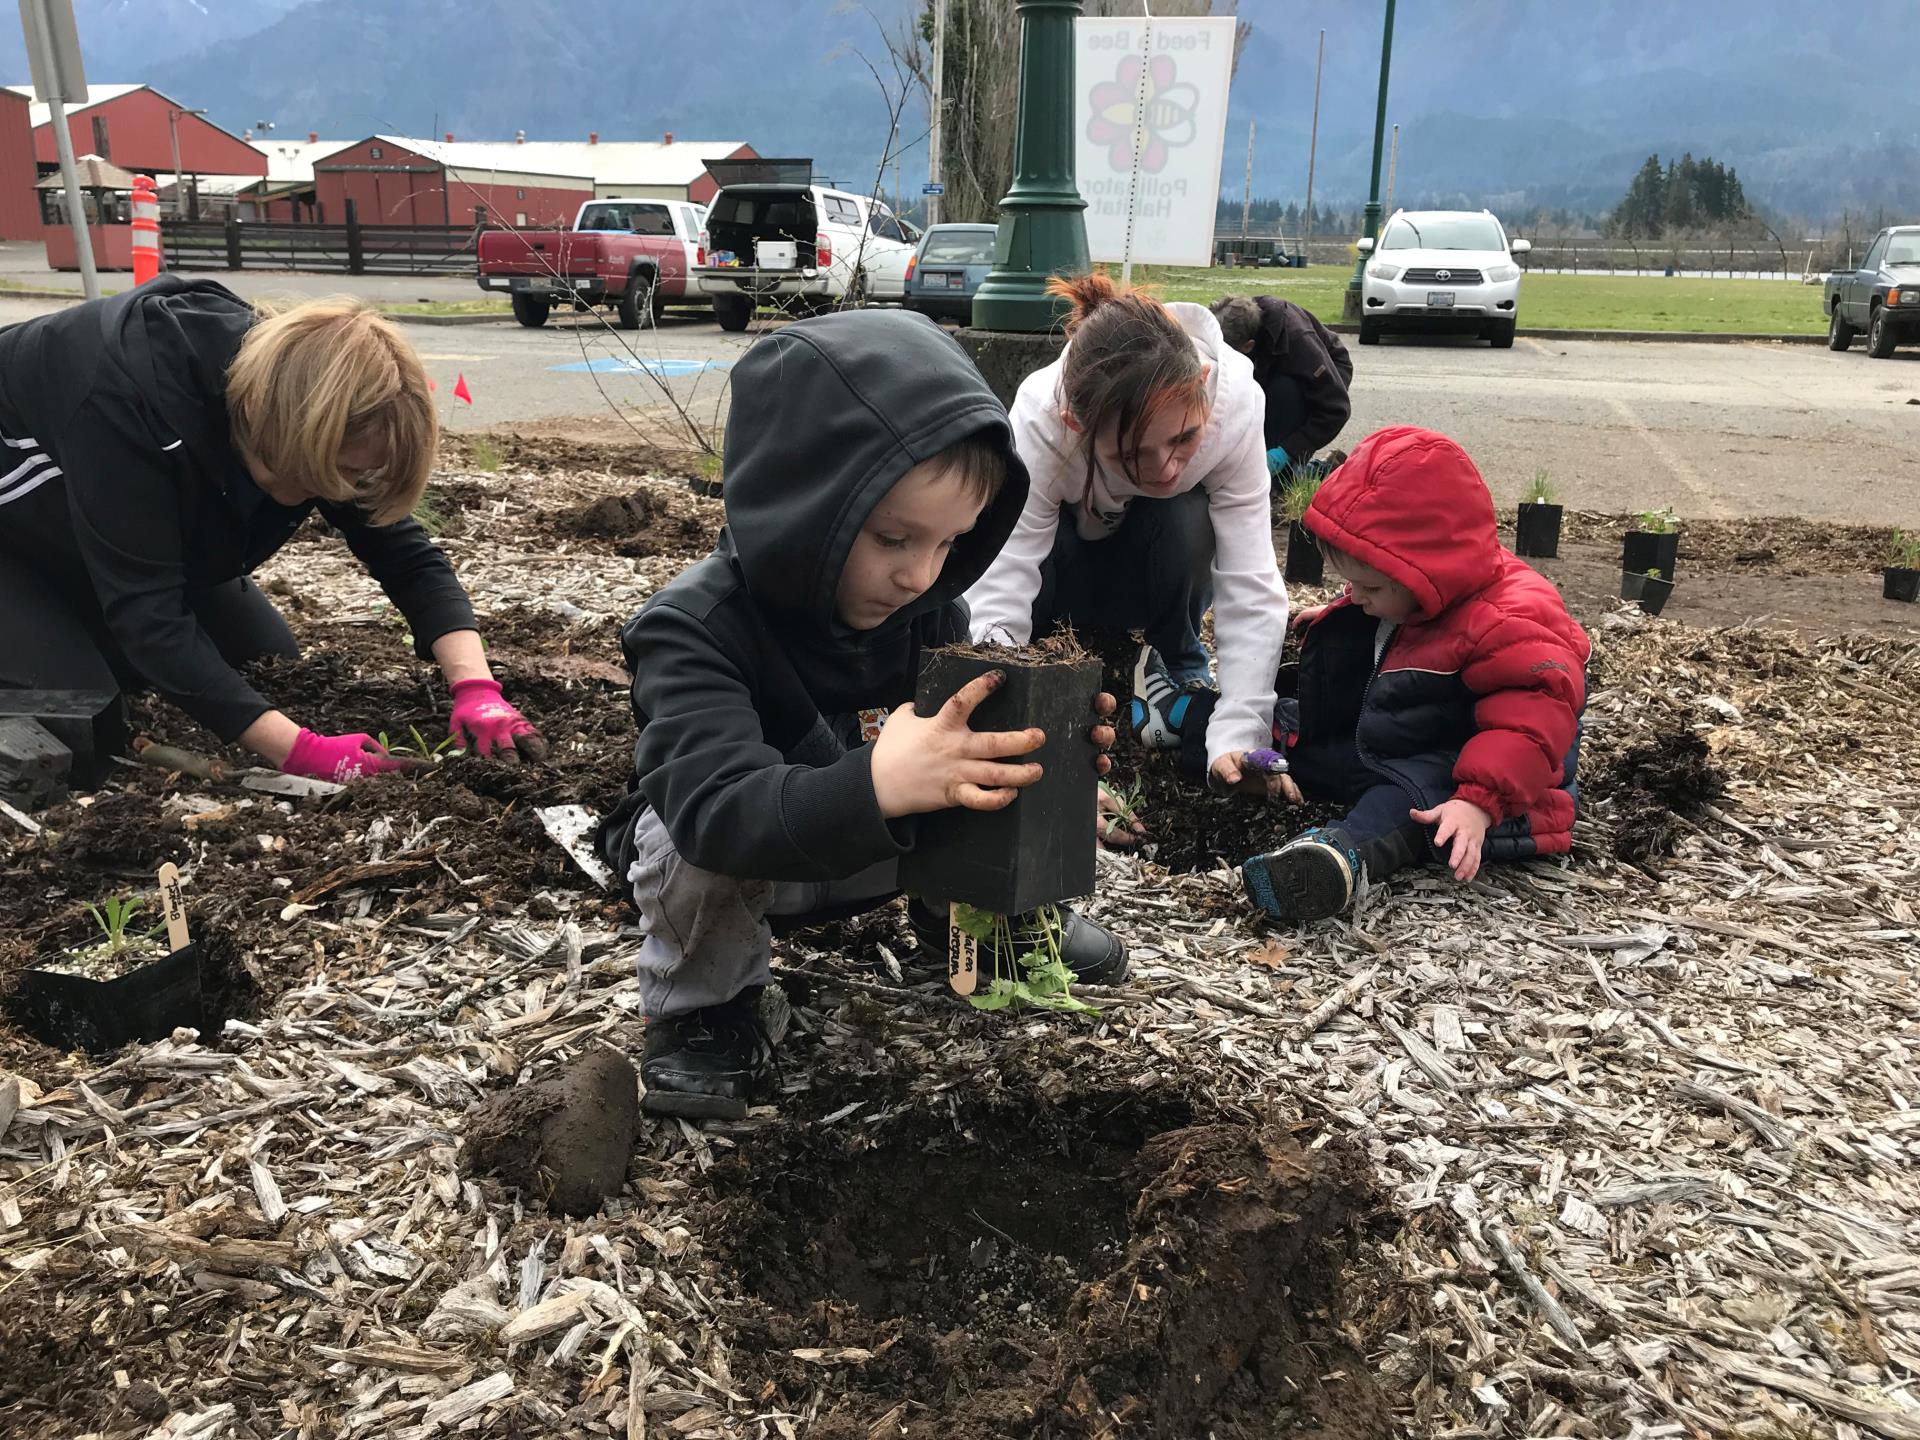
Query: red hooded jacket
pixel 1478 696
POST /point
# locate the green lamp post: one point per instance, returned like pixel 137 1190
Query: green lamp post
pixel 1043 232
pixel 1350 310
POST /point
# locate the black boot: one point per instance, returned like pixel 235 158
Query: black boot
pixel 707 1064
pixel 1094 954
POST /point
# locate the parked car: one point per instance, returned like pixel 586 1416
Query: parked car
pixel 633 255
pixel 949 267
pixel 775 236
pixel 1442 271
pixel 1882 297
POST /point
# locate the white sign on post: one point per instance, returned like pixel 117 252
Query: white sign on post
pixel 67 79
pixel 1150 120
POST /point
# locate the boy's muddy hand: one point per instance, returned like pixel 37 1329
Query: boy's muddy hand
pixel 935 763
pixel 1231 772
pixel 1303 618
pixel 1103 735
pixel 1463 823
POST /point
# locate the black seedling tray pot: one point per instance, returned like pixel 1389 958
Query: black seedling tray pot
pixel 1651 594
pixel 75 1012
pixel 1039 850
pixel 1899 583
pixel 1537 531
pixel 1644 550
pixel 1305 564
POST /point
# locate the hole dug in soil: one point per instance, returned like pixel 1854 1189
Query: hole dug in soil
pixel 1105 1267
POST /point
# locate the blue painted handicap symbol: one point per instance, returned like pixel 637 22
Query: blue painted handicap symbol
pixel 645 365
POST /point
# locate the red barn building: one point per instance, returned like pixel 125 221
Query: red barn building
pixel 135 127
pixel 19 204
pixel 398 180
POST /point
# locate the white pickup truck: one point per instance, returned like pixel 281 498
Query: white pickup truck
pixel 773 235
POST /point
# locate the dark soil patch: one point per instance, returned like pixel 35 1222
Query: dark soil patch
pixel 1771 545
pixel 652 520
pixel 565 1141
pixel 486 848
pixel 554 454
pixel 1653 784
pixel 1097 1266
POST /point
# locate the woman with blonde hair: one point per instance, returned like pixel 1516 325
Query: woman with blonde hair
pixel 155 448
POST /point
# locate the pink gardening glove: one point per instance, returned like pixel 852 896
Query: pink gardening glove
pixel 487 725
pixel 338 757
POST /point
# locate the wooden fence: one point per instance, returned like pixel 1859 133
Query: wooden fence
pixel 352 248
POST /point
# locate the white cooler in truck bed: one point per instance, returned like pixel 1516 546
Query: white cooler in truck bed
pixel 776 254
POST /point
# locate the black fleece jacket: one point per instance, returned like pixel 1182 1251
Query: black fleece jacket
pixel 128 397
pixel 1294 349
pixel 747 687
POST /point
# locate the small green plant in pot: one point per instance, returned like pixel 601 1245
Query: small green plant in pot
pixel 1305 564
pixel 118 983
pixel 1652 544
pixel 1028 971
pixel 1536 530
pixel 1900 580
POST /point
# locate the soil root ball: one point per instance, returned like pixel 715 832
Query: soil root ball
pixel 567 1139
pixel 1674 775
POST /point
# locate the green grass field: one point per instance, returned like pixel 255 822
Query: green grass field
pixel 1547 301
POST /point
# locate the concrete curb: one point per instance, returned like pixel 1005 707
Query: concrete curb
pixel 405 319
pixel 1674 337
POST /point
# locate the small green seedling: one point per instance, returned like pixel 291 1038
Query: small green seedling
pixel 1539 490
pixel 1040 979
pixel 709 467
pixel 1903 553
pixel 1657 522
pixel 420 746
pixel 484 455
pixel 1297 490
pixel 115 919
pixel 1128 803
pixel 1654 573
pixel 430 516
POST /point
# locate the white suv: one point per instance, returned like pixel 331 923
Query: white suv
pixel 773 234
pixel 1449 271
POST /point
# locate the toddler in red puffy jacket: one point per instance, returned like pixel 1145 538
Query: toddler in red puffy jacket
pixel 1439 698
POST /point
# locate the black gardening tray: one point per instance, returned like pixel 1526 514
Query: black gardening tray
pixel 74 1012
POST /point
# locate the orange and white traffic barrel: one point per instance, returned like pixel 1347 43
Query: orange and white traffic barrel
pixel 146 229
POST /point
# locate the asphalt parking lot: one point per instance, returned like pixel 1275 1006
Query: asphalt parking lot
pixel 1728 430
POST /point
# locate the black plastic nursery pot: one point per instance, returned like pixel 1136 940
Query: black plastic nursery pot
pixel 1305 564
pixel 1536 532
pixel 76 1012
pixel 1039 850
pixel 1651 593
pixel 1644 550
pixel 1897 582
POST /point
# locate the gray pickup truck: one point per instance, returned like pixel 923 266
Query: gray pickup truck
pixel 1882 297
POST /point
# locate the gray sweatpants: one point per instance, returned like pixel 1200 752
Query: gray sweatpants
pixel 707 934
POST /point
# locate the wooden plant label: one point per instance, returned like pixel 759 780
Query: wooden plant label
pixel 963 955
pixel 174 906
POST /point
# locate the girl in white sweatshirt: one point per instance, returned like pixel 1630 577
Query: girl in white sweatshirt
pixel 1150 502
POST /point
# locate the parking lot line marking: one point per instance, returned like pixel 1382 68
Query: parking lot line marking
pixel 1688 477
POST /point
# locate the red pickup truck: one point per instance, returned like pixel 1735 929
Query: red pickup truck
pixel 633 255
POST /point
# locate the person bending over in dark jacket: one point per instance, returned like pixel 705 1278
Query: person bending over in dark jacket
pixel 1302 367
pixel 1440 697
pixel 780 765
pixel 155 448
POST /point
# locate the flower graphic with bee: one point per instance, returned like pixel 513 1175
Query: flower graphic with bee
pixel 1170 110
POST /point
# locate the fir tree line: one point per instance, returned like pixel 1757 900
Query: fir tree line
pixel 1685 194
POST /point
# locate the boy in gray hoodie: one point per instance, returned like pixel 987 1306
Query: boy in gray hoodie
pixel 780 766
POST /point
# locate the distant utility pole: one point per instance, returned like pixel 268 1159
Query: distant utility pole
pixel 939 107
pixel 1246 195
pixel 53 52
pixel 1393 168
pixel 1313 144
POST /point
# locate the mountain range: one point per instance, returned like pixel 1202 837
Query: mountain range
pixel 1518 104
